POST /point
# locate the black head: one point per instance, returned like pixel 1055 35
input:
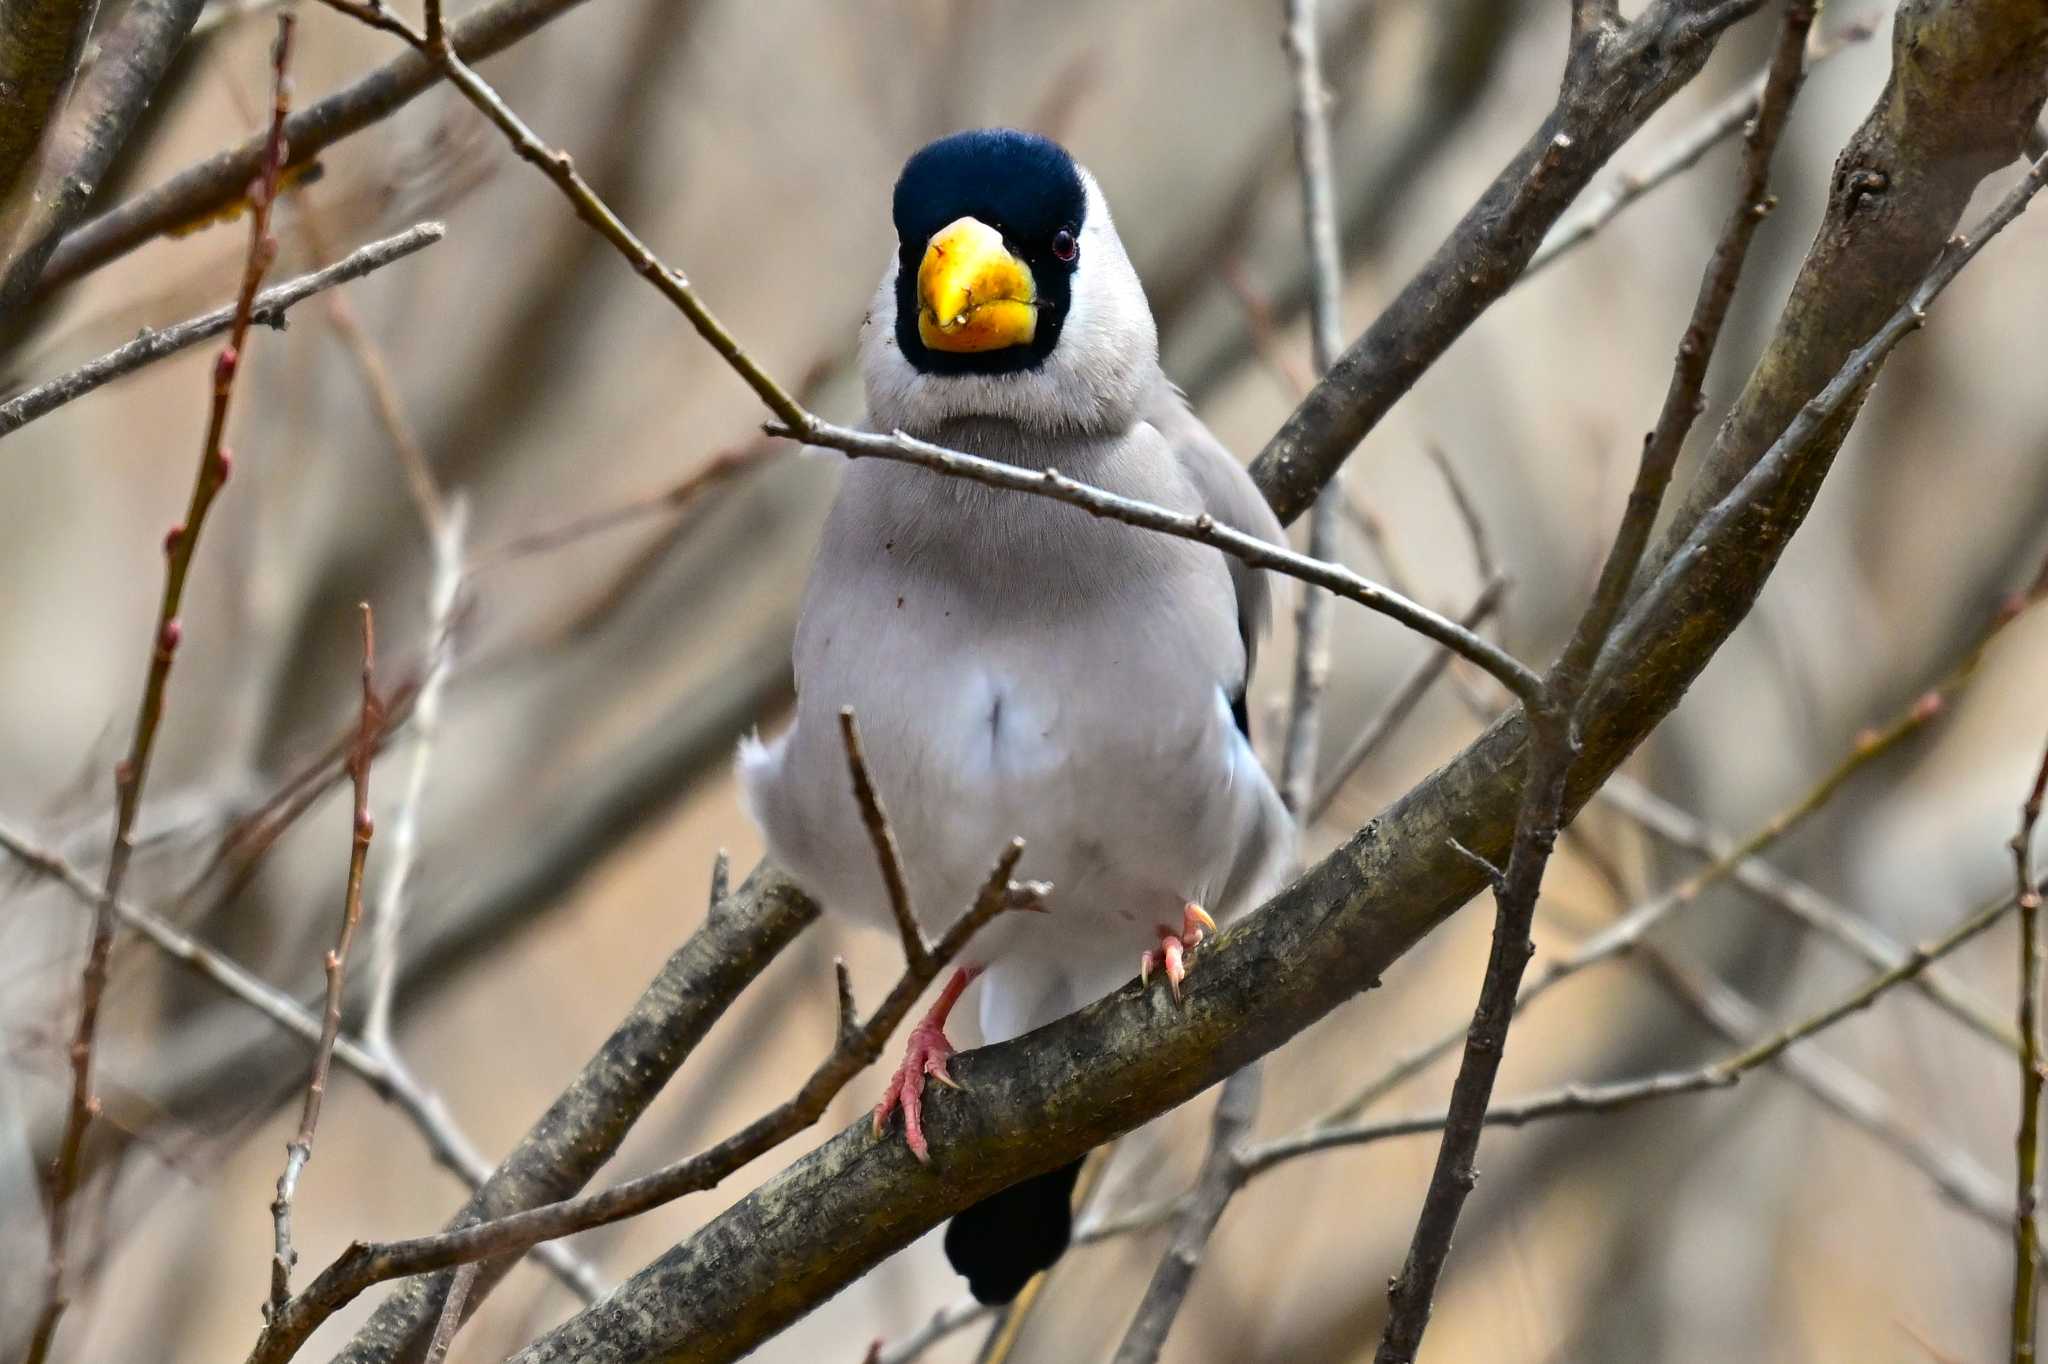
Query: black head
pixel 1027 188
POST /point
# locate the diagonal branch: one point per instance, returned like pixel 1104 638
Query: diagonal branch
pixel 152 345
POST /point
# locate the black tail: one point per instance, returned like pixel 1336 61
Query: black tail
pixel 1000 1242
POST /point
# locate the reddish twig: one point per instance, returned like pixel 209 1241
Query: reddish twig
pixel 2026 1273
pixel 132 772
pixel 299 1149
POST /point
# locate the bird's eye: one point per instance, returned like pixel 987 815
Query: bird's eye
pixel 1063 244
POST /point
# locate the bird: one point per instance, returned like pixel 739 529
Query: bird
pixel 1017 667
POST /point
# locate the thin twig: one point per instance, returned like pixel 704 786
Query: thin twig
pixel 1403 701
pixel 1684 151
pixel 365 1264
pixel 1804 904
pixel 1326 337
pixel 953 1317
pixel 887 855
pixel 299 1149
pixel 1629 931
pixel 1513 674
pixel 268 310
pixel 2026 1272
pixel 1606 1098
pixel 674 498
pixel 390 1082
pixel 133 771
pixel 426 720
pixel 1468 512
pixel 216 187
pixel 451 1313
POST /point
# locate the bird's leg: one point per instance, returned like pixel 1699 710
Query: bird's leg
pixel 926 1054
pixel 1171 954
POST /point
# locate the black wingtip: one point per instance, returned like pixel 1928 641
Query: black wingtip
pixel 1000 1242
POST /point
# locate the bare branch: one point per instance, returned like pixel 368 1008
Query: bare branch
pixel 1223 1173
pixel 1684 151
pixel 1516 676
pixel 299 1149
pixel 1575 1099
pixel 448 532
pixel 268 310
pixel 887 854
pixel 390 1081
pixel 1611 86
pixel 451 1312
pixel 1326 335
pixel 132 773
pixel 1804 904
pixel 1403 701
pixel 2026 1234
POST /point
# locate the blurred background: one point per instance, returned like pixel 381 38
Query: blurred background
pixel 580 782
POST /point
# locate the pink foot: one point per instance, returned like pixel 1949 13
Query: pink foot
pixel 926 1054
pixel 1171 954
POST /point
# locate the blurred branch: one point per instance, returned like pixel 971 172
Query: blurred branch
pixel 1606 1098
pixel 396 1086
pixel 102 109
pixel 221 181
pixel 1954 1174
pixel 1684 151
pixel 583 1128
pixel 1615 77
pixel 1326 335
pixel 40 44
pixel 132 773
pixel 1805 905
pixel 1403 701
pixel 1223 1173
pixel 1627 933
pixel 450 523
pixel 2026 1234
pixel 268 310
pixel 299 1150
pixel 856 1047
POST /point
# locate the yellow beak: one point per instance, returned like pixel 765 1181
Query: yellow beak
pixel 972 294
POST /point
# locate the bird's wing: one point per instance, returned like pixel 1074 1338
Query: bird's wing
pixel 1229 495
